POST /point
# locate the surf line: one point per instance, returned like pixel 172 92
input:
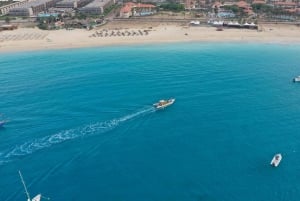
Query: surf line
pixel 34 145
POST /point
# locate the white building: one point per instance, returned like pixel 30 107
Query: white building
pixel 5 9
pixel 32 8
pixel 96 7
pixel 72 3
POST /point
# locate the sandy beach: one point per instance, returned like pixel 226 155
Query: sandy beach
pixel 28 39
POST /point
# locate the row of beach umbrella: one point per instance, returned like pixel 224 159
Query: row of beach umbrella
pixel 22 36
pixel 107 33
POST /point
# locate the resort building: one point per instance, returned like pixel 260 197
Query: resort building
pixel 5 9
pixel 259 2
pixel 21 11
pixel 72 3
pixel 218 5
pixel 246 7
pixel 198 4
pixel 188 4
pixel 126 11
pixel 32 8
pixel 96 7
pixel 67 4
pixel 294 11
pixel 286 5
pixel 151 1
pixel 194 4
pixel 137 9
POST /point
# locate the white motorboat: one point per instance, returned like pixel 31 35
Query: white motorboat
pixel 164 103
pixel 297 79
pixel 276 160
pixel 2 123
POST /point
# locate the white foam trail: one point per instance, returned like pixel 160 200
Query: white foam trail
pixel 62 136
pixel 2 161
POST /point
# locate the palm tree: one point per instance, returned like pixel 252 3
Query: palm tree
pixel 216 10
pixel 7 20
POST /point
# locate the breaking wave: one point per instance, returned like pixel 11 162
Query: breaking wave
pixel 66 135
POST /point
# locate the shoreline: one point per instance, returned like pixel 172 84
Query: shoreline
pixel 33 39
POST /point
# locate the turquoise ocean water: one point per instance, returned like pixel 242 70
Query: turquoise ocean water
pixel 82 126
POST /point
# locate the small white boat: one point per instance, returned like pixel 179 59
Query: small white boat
pixel 276 160
pixel 37 197
pixel 164 103
pixel 2 123
pixel 297 79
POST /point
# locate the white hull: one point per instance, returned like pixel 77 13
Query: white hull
pixel 37 198
pixel 296 79
pixel 163 104
pixel 2 123
pixel 276 160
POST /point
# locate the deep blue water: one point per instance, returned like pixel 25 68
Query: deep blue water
pixel 82 126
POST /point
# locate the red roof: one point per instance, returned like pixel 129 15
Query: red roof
pixel 242 4
pixel 292 10
pixel 126 9
pixel 258 2
pixel 285 3
pixel 140 5
pixel 129 5
pixel 217 4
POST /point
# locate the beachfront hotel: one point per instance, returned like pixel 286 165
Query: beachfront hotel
pixel 32 8
pixel 137 9
pixel 5 9
pixel 72 3
pixel 96 7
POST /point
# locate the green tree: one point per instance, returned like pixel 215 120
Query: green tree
pixel 42 25
pixel 242 12
pixel 233 8
pixel 7 20
pixel 175 7
pixel 216 10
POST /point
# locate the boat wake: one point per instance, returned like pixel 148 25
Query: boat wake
pixel 66 135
